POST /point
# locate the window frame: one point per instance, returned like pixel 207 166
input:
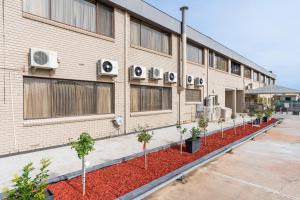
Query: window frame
pixel 53 80
pixel 224 58
pixel 235 64
pixel 161 31
pixel 247 68
pixel 151 86
pixel 98 3
pixel 199 49
pixel 192 101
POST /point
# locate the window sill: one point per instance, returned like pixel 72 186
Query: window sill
pixel 193 103
pixel 147 113
pixel 218 70
pixel 194 63
pixel 248 78
pixel 66 26
pixel 62 120
pixel 239 76
pixel 150 51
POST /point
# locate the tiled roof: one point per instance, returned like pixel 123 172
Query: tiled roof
pixel 273 89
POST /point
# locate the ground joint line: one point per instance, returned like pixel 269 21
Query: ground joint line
pixel 257 186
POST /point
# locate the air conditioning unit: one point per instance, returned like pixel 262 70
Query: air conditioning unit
pixel 249 86
pixel 156 73
pixel 189 80
pixel 138 72
pixel 199 82
pixel 107 68
pixel 170 77
pixel 44 59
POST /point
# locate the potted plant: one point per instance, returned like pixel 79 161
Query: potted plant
pixel 233 117
pixel 203 124
pixel 144 137
pixel 26 187
pixel 259 115
pixel 83 146
pixel 243 115
pixel 193 143
pixel 221 121
pixel 182 131
pixel 251 115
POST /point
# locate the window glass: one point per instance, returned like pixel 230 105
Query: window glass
pixel 195 54
pixel 221 63
pixel 235 68
pixel 146 36
pixel 149 98
pixel 211 59
pixel 247 72
pixel 192 95
pixel 46 98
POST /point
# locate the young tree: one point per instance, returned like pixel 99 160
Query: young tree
pixel 233 117
pixel 144 137
pixel 203 124
pixel 83 146
pixel 243 115
pixel 27 188
pixel 220 121
pixel 182 131
pixel 251 115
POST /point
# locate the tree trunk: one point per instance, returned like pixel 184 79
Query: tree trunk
pixel 234 127
pixel 181 145
pixel 205 137
pixel 222 131
pixel 83 176
pixel 145 156
pixel 251 121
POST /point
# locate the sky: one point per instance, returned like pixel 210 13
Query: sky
pixel 265 31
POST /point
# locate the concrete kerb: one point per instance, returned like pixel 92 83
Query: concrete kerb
pixel 157 184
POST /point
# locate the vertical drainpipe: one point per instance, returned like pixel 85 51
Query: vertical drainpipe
pixel 182 77
pixel 126 17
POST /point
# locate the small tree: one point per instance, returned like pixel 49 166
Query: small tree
pixel 269 112
pixel 243 115
pixel 144 137
pixel 251 115
pixel 221 121
pixel 27 188
pixel 83 146
pixel 233 117
pixel 182 131
pixel 259 114
pixel 203 124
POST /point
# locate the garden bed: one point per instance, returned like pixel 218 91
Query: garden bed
pixel 119 179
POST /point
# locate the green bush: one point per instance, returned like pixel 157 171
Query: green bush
pixel 25 187
pixel 195 133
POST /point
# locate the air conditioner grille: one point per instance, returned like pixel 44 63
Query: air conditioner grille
pixel 40 58
pixel 107 66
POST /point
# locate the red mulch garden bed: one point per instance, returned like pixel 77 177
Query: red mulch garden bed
pixel 119 179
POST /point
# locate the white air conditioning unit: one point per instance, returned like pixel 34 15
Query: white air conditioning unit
pixel 156 73
pixel 138 72
pixel 249 86
pixel 199 82
pixel 44 59
pixel 189 80
pixel 107 68
pixel 170 77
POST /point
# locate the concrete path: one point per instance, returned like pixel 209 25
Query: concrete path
pixel 64 160
pixel 267 168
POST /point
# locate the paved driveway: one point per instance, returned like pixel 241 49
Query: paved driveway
pixel 267 168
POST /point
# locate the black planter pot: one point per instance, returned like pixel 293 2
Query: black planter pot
pixel 49 195
pixel 257 121
pixel 265 119
pixel 192 145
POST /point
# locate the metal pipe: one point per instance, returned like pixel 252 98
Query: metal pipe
pixel 183 44
pixel 13 111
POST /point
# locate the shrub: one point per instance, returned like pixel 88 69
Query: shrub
pixel 203 124
pixel 25 187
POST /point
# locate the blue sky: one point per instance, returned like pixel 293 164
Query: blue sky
pixel 265 31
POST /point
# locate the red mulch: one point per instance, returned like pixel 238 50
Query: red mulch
pixel 117 180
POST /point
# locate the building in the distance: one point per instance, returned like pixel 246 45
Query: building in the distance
pixel 69 66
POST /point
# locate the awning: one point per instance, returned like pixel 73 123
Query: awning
pixel 273 89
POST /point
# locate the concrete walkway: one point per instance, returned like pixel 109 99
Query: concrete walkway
pixel 64 160
pixel 267 168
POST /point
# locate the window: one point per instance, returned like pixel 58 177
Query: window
pixel 262 78
pixel 221 63
pixel 89 15
pixel 195 54
pixel 144 35
pixel 192 95
pixel 235 68
pixel 255 76
pixel 48 98
pixel 150 98
pixel 211 59
pixel 247 72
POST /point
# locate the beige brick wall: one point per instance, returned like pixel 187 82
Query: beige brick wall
pixel 79 51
